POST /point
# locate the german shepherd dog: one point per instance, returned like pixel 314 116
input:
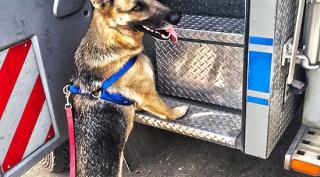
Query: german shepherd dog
pixel 114 36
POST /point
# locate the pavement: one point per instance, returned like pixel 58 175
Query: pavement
pixel 188 157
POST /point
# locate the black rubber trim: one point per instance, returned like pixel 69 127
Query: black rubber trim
pixel 212 42
pixel 245 73
pixel 58 160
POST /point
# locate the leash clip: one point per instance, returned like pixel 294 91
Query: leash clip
pixel 67 94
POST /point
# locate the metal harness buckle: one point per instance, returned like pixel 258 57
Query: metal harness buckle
pixel 67 94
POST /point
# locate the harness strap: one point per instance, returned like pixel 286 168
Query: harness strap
pixel 116 76
pixel 74 89
pixel 116 98
pixel 105 95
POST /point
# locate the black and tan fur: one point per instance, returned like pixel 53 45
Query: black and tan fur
pixel 102 128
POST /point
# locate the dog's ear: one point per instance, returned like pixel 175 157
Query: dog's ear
pixel 101 3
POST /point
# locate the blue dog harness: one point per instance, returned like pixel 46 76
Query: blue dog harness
pixel 104 94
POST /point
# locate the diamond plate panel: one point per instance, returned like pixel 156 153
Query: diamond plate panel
pixel 281 112
pixel 218 29
pixel 210 23
pixel 203 72
pixel 210 124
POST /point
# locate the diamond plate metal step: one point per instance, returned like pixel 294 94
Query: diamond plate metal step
pixel 213 124
pixel 305 147
pixel 206 65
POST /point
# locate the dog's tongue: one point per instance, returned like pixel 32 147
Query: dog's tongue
pixel 173 34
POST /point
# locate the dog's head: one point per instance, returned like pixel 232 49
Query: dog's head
pixel 149 16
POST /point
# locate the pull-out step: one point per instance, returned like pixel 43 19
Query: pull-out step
pixel 213 124
pixel 206 65
pixel 304 152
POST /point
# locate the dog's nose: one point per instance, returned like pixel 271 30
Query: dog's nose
pixel 173 17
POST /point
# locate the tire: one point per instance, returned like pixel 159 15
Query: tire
pixel 58 160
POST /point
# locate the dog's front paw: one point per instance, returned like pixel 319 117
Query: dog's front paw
pixel 179 112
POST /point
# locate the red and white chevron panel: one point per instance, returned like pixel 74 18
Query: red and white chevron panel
pixel 25 121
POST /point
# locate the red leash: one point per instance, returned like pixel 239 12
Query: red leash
pixel 72 144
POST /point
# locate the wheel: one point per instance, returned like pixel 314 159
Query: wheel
pixel 58 160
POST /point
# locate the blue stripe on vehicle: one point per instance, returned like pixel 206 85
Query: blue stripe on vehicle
pixel 259 71
pixel 261 40
pixel 256 100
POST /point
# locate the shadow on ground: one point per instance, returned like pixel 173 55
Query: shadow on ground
pixel 187 157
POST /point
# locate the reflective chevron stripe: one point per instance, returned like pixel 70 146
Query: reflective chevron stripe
pixel 25 122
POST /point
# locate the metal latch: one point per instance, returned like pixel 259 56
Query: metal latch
pixel 301 58
pixel 295 43
pixel 291 53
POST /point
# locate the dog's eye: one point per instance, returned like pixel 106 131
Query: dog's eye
pixel 136 8
pixel 139 7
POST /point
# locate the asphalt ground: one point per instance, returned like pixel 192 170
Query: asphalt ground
pixel 188 157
